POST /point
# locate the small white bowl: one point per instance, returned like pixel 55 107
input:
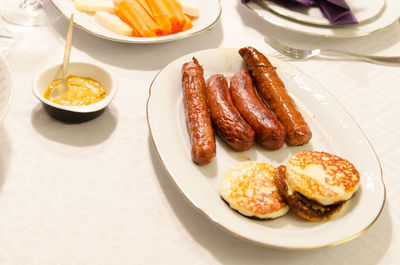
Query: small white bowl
pixel 74 114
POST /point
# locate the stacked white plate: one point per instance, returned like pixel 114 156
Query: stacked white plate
pixel 372 15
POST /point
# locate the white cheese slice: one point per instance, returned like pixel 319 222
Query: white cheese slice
pixel 94 5
pixel 113 23
pixel 190 8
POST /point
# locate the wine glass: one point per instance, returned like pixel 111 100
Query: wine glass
pixel 6 39
pixel 28 12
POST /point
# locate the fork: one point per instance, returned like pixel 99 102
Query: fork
pixel 301 54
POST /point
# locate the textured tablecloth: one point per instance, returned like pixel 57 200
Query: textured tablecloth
pixel 96 193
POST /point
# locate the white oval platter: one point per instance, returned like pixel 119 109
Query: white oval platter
pixel 334 131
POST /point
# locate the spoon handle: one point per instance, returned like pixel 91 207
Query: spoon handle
pixel 67 50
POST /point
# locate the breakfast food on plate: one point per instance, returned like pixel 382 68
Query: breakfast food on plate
pixel 226 119
pixel 317 185
pixel 81 91
pixel 249 188
pixel 269 131
pixel 274 93
pixel 238 113
pixel 303 207
pixel 113 23
pixel 146 18
pixel 197 115
pixel 330 179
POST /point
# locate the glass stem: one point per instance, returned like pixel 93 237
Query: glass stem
pixel 30 4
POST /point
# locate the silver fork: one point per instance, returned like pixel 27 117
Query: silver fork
pixel 301 54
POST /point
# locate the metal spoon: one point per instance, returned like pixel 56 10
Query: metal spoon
pixel 62 87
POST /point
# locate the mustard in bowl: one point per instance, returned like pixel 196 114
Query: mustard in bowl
pixel 90 89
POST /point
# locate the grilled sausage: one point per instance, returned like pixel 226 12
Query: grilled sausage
pixel 227 121
pixel 269 131
pixel 274 93
pixel 197 115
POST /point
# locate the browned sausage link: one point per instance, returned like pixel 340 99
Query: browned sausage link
pixel 274 92
pixel 197 115
pixel 226 119
pixel 269 131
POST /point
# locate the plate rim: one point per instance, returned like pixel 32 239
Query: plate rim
pixel 193 204
pixel 333 36
pixel 142 40
pixel 10 86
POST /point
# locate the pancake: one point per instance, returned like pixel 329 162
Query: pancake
pixel 302 206
pixel 321 177
pixel 249 188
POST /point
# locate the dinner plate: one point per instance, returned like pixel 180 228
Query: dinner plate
pixel 389 14
pixel 210 11
pixel 334 131
pixel 5 88
pixel 362 10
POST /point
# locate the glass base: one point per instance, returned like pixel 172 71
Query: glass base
pixel 28 13
pixel 6 40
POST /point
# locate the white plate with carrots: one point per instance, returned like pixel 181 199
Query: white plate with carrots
pixel 159 27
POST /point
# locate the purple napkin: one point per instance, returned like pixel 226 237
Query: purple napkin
pixel 336 11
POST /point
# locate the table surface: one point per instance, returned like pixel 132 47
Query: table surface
pixel 96 193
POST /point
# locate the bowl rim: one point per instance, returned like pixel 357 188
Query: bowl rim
pixel 78 109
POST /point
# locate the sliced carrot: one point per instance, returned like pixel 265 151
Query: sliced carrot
pixel 147 18
pixel 180 15
pixel 160 15
pixel 172 14
pixel 144 4
pixel 188 24
pixel 122 17
pixel 137 17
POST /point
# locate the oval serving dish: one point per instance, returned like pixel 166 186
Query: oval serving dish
pixel 334 131
pixel 75 114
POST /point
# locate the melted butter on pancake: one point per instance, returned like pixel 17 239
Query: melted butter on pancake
pixel 322 177
pixel 249 188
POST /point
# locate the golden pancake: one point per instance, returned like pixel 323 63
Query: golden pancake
pixel 302 206
pixel 250 189
pixel 322 177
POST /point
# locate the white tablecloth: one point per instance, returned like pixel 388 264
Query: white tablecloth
pixel 96 193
